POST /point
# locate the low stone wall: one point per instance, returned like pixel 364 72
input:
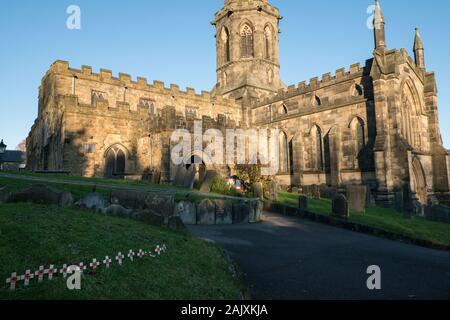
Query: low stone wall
pixel 220 211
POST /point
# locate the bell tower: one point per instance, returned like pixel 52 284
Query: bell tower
pixel 247 49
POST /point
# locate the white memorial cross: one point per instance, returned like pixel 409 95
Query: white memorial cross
pixel 82 267
pixel 158 250
pixel 12 281
pixel 64 270
pixel 131 255
pixel 120 257
pixel 27 277
pixel 94 264
pixel 51 271
pixel 40 273
pixel 107 261
pixel 141 253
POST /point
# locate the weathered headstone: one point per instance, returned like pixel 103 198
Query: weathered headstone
pixel 340 206
pixel 180 175
pixel 256 208
pixel 224 212
pixel 117 211
pixel 41 194
pixel 175 223
pixel 5 193
pixel 208 181
pixel 206 212
pixel 160 204
pixel 241 212
pixel 258 190
pixel 190 177
pixel 273 191
pixel 187 211
pixel 156 177
pixel 92 201
pixel 315 190
pixel 356 197
pixel 303 202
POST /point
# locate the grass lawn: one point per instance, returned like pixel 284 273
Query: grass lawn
pixel 387 219
pixel 33 235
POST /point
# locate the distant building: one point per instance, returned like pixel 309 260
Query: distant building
pixel 13 160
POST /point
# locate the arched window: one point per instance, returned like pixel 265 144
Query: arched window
pixel 267 42
pixel 316 149
pixel 284 153
pixel 115 162
pixel 317 102
pixel 359 136
pixel 283 110
pixel 226 45
pixel 246 41
pixel 357 90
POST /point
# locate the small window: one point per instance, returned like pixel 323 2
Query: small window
pixel 98 95
pixel 89 148
pixel 317 101
pixel 283 110
pixel 357 90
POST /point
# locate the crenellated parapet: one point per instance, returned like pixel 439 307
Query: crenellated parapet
pixel 341 75
pixel 124 80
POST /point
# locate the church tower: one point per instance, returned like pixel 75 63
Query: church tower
pixel 247 49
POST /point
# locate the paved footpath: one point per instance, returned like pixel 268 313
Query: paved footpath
pixel 289 258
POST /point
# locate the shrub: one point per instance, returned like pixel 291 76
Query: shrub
pixel 221 186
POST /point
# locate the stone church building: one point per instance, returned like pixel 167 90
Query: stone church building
pixel 374 124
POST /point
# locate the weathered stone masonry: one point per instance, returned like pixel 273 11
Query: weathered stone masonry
pixel 375 124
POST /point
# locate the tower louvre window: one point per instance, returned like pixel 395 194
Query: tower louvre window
pixel 246 41
pixel 226 45
pixel 268 42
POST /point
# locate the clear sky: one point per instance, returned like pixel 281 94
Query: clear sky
pixel 173 41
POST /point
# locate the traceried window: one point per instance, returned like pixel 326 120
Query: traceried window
pixel 246 41
pixel 149 104
pixel 89 148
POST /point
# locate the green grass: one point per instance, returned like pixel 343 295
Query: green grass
pixel 33 235
pixel 383 218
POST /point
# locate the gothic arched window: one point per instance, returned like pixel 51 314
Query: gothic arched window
pixel 226 45
pixel 246 41
pixel 316 153
pixel 358 132
pixel 267 43
pixel 284 153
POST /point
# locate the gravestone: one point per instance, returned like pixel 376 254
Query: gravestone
pixel 187 211
pixel 340 206
pixel 315 191
pixel 156 177
pixel 160 204
pixel 356 197
pixel 93 201
pixel 5 193
pixel 303 202
pixel 208 181
pixel 117 211
pixel 224 212
pixel 258 190
pixel 190 177
pixel 175 223
pixel 256 208
pixel 273 191
pixel 132 199
pixel 241 212
pixel 206 212
pixel 41 194
pixel 180 175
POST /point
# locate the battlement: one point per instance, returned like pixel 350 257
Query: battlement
pixel 246 5
pixel 125 80
pixel 316 83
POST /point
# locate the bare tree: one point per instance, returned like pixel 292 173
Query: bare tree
pixel 22 146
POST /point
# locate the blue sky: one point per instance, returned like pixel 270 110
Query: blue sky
pixel 173 41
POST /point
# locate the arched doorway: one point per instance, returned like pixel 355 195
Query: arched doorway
pixel 115 162
pixel 418 181
pixel 199 167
